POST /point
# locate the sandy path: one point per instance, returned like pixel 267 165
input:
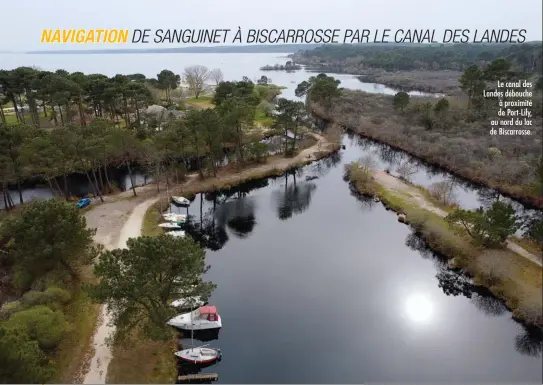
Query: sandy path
pixel 130 229
pixel 393 183
pixel 118 219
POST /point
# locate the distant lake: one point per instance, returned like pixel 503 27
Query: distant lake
pixel 233 65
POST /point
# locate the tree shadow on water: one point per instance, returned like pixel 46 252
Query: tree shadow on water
pixel 456 282
pixel 294 198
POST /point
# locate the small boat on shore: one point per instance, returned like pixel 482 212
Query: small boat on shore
pixel 181 201
pixel 170 226
pixel 176 233
pixel 173 217
pixel 204 318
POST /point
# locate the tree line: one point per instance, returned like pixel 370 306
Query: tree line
pixel 526 57
pixel 163 145
pixel 45 246
pixel 435 131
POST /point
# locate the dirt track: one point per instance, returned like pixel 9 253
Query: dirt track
pixel 413 194
pixel 115 227
pixel 120 217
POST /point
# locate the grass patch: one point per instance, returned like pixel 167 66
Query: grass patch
pixel 76 346
pixel 151 218
pixel 527 244
pixel 140 361
pixel 204 101
pixel 511 277
pixel 262 119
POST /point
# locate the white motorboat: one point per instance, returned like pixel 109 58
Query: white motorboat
pixel 188 303
pixel 199 355
pixel 176 233
pixel 181 201
pixel 173 217
pixel 203 318
pixel 169 226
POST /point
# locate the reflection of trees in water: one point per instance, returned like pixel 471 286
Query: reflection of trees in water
pixel 323 166
pixel 207 231
pixel 452 282
pixel 488 305
pixel 487 197
pixel 529 342
pixel 366 202
pixel 238 215
pixel 294 198
pixel 414 242
pixel 231 208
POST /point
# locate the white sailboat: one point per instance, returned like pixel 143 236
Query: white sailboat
pixel 173 217
pixel 200 354
pixel 176 233
pixel 169 226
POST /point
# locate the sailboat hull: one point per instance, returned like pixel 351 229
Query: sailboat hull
pixel 199 356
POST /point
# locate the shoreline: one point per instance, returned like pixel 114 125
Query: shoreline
pixel 277 167
pixel 504 275
pixel 529 202
pixel 121 213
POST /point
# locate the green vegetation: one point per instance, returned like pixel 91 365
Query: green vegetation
pixel 509 276
pixel 160 142
pixel 453 132
pixel 139 282
pixel 355 58
pixel 160 269
pixel 288 66
pixel 401 100
pixel 489 227
pixel 46 250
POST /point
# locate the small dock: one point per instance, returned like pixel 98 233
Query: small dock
pixel 201 377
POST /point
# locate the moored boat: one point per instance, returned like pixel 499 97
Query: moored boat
pixel 199 355
pixel 203 318
pixel 173 217
pixel 170 226
pixel 181 201
pixel 176 233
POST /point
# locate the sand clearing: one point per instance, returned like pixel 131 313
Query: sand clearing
pixel 131 229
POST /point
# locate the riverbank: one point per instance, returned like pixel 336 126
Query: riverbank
pixel 513 275
pixel 122 214
pixel 466 151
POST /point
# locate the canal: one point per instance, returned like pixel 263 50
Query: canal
pixel 317 286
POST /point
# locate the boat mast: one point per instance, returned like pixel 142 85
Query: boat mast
pixel 191 328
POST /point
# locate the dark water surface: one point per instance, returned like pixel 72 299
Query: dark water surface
pixel 317 286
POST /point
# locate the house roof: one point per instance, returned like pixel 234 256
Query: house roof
pixel 208 310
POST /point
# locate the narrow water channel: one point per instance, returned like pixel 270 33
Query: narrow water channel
pixel 317 286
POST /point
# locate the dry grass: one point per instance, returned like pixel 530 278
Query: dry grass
pixel 509 276
pixel 463 147
pixel 527 244
pixel 140 361
pixel 151 218
pixel 75 348
pixel 204 101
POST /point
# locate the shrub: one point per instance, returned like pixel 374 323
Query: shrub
pixel 44 325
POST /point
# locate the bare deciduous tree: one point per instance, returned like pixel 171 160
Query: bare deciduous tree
pixel 195 77
pixel 443 191
pixel 216 75
pixel 368 162
pixel 407 168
